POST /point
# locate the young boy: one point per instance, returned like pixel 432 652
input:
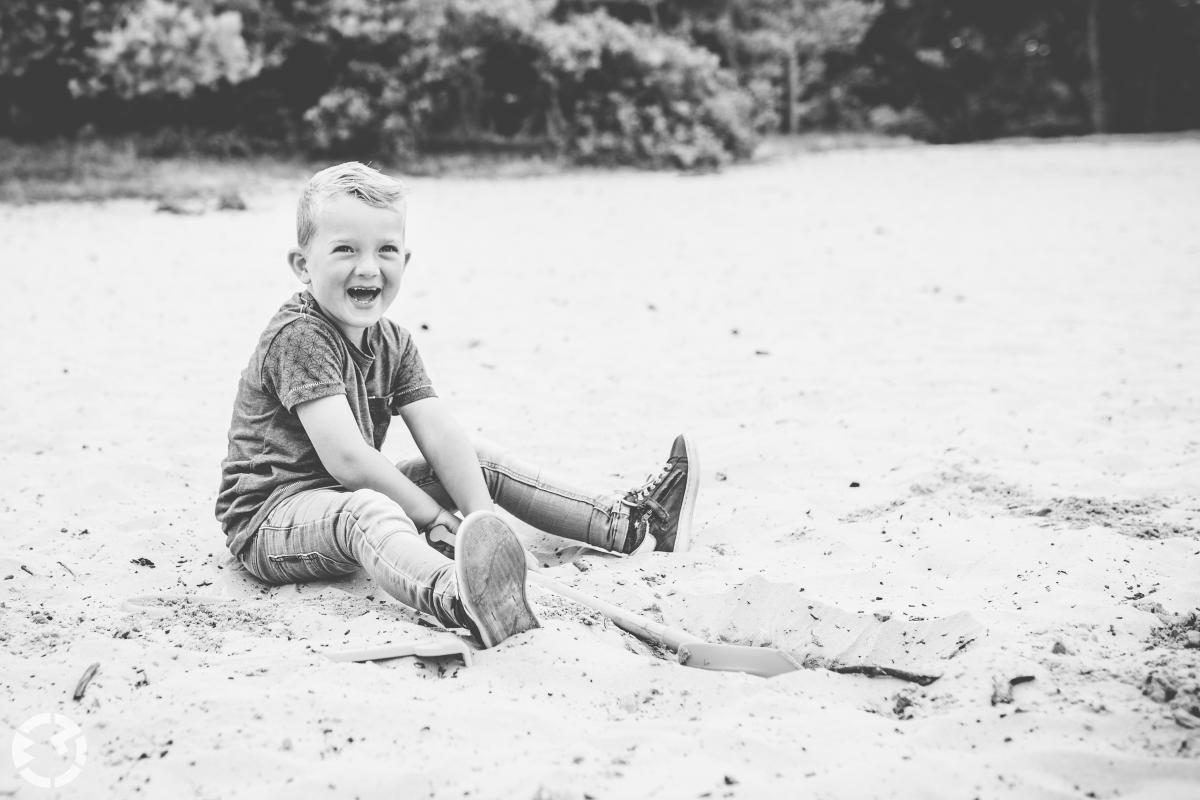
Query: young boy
pixel 306 494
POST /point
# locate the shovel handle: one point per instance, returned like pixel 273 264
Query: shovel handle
pixel 641 627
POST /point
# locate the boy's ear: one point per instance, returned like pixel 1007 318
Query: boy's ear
pixel 299 264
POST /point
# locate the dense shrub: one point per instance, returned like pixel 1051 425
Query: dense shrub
pixel 828 33
pixel 369 78
pixel 44 46
pixel 168 48
pixel 590 86
pixel 670 82
pixel 963 70
pixel 634 95
pixel 40 35
pixel 402 74
pixel 756 39
pixel 968 69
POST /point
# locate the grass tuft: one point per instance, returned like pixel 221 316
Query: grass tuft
pixel 97 170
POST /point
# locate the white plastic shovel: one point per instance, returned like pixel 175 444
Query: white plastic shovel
pixel 432 646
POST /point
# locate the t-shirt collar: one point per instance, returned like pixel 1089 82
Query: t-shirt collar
pixel 364 357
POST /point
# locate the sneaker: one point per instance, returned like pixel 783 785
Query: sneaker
pixel 663 506
pixel 489 563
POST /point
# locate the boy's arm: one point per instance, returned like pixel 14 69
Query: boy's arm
pixel 353 463
pixel 449 451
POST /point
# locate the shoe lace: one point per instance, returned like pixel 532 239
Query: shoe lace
pixel 639 499
pixel 635 496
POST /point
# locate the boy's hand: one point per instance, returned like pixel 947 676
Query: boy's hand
pixel 447 520
pixel 442 535
pixel 354 464
pixel 449 451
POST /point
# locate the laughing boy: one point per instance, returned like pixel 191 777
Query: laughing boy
pixel 306 493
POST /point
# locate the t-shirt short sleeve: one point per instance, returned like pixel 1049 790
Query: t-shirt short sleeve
pixel 411 382
pixel 303 363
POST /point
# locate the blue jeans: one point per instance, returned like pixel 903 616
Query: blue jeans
pixel 327 533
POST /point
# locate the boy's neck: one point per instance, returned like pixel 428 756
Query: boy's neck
pixel 355 336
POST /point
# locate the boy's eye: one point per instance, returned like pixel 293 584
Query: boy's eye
pixel 343 248
pixel 390 248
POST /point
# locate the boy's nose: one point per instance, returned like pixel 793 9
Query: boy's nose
pixel 366 266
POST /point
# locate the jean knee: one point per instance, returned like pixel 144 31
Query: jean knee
pixel 369 507
pixel 361 499
pixel 488 451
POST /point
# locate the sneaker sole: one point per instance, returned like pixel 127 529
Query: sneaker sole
pixel 489 563
pixel 683 533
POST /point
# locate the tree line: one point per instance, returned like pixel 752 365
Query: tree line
pixel 681 83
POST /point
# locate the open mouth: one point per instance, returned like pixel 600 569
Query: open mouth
pixel 363 295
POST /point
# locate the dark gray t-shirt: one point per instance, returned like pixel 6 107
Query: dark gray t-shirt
pixel 303 356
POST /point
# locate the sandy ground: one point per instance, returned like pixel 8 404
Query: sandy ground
pixel 926 382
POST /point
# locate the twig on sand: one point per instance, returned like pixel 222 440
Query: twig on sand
pixel 68 569
pixel 85 679
pixel 876 671
pixel 27 569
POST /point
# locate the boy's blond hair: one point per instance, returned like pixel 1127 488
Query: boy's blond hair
pixel 353 179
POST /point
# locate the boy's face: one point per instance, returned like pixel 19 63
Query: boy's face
pixel 354 262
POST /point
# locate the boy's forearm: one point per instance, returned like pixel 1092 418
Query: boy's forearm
pixel 370 469
pixel 456 463
pixel 450 452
